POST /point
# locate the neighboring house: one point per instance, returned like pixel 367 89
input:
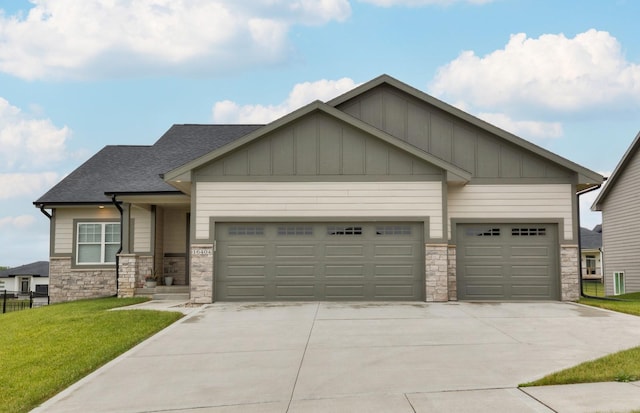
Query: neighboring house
pixel 591 252
pixel 27 278
pixel 384 193
pixel 620 206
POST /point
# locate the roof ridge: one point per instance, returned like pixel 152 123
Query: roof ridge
pixel 219 124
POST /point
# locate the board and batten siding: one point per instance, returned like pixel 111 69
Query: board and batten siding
pixel 142 229
pixel 63 236
pixel 620 223
pixel 318 199
pixel 520 202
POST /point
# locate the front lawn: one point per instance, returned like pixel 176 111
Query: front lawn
pixel 623 366
pixel 44 350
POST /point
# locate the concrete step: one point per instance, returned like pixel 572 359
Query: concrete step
pixel 171 296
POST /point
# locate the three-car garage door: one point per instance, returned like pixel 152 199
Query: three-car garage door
pixel 507 262
pixel 319 261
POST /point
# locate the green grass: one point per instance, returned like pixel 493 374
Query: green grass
pixel 44 350
pixel 622 366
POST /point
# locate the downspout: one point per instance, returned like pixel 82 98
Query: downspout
pixel 48 215
pixel 582 294
pixel 117 205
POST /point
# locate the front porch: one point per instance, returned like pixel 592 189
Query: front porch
pixel 155 239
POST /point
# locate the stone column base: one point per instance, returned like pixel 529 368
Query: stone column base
pixel 569 274
pixel 201 271
pixel 127 272
pixel 436 272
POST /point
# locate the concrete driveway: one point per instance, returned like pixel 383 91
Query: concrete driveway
pixel 331 357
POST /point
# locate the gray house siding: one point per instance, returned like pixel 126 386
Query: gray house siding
pixel 620 223
pixel 318 147
pixel 452 139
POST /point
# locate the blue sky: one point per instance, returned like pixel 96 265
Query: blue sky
pixel 76 76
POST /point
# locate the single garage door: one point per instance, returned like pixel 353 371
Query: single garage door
pixel 507 262
pixel 319 261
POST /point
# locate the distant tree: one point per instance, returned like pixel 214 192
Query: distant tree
pixel 4 268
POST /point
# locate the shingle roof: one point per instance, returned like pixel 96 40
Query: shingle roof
pixel 138 169
pixel 37 269
pixel 590 240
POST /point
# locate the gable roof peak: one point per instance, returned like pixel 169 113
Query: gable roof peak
pixel 619 169
pixel 586 177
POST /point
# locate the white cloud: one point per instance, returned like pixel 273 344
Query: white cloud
pixel 419 3
pixel 19 222
pixel 230 112
pixel 26 142
pixel 14 185
pixel 549 73
pixel 72 39
pixel 529 129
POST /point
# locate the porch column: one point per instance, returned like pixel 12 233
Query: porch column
pixel 201 271
pixel 436 270
pixel 127 275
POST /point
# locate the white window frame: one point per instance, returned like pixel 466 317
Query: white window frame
pixel 618 281
pixel 103 243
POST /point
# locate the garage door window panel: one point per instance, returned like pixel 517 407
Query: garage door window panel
pixel 393 230
pixel 483 232
pixel 246 230
pixel 295 230
pixel 528 232
pixel 340 230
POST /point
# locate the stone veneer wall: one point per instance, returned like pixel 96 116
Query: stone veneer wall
pixel 569 274
pixel 144 267
pixel 66 284
pixel 451 273
pixel 436 272
pixel 202 273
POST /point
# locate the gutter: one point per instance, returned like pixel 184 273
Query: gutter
pixel 48 215
pixel 117 205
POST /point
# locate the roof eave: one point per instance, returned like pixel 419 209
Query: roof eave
pixel 611 181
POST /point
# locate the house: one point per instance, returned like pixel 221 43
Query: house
pixel 591 252
pixel 383 193
pixel 620 208
pixel 27 278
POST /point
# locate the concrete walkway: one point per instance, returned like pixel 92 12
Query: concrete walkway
pixel 362 357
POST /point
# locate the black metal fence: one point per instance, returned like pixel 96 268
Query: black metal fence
pixel 16 301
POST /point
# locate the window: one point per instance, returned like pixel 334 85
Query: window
pixel 591 264
pixel 295 230
pixel 483 232
pixel 246 230
pixel 97 243
pixel 338 230
pixel 528 232
pixel 393 230
pixel 618 283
